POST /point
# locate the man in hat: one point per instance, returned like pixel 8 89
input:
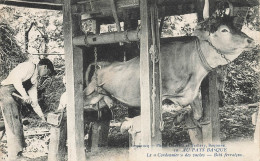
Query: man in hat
pixel 14 83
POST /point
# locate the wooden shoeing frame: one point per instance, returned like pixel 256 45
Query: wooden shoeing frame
pixel 74 76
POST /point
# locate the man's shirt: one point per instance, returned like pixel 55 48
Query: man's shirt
pixel 21 73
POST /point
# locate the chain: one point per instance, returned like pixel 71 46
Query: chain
pixel 91 5
pixel 219 52
pixel 228 61
pixel 96 79
pixel 95 73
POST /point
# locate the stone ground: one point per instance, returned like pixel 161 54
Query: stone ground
pixel 236 134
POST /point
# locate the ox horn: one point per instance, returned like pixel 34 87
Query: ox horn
pixel 231 9
pixel 206 10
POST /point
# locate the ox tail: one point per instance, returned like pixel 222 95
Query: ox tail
pixel 100 65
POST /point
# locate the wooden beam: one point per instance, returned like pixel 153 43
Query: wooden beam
pixel 150 115
pixel 42 4
pixel 102 8
pixel 74 79
pixel 209 91
pixel 107 38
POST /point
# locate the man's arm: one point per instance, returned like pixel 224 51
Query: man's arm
pixel 63 101
pixel 19 87
pixel 34 96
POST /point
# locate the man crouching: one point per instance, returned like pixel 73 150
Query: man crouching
pixel 26 71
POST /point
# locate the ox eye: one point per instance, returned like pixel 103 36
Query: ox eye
pixel 224 30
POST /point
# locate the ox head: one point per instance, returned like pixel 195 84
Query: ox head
pixel 224 36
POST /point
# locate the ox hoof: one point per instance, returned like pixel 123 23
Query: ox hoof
pixel 126 125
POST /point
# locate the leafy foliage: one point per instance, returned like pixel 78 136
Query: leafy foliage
pixel 242 79
pixel 179 25
pixel 237 126
pixel 10 52
pixel 47 25
pixel 253 18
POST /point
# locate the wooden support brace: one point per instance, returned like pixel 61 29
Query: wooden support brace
pixel 210 99
pixel 113 6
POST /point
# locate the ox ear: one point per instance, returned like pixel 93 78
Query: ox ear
pixel 201 33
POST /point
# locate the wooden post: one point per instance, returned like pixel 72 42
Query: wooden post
pixel 58 139
pixel 74 79
pixel 100 135
pixel 150 116
pixel 211 109
pixel 257 131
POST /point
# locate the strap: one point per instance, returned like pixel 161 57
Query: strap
pixel 203 60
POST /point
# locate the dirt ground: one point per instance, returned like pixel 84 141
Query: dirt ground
pixel 236 135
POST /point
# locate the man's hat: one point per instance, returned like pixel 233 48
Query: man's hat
pixel 49 64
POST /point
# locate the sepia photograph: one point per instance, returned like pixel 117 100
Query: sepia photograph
pixel 129 80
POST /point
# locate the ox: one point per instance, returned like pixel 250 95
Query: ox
pixel 184 63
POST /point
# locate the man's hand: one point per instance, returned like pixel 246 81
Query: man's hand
pixel 43 119
pixel 27 99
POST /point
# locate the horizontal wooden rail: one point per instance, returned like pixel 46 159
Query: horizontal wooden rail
pixel 107 38
pixel 48 54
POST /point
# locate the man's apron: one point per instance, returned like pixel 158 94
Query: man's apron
pixel 13 121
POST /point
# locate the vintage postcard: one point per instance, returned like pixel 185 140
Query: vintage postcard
pixel 129 80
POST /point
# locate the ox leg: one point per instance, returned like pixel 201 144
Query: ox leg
pixel 132 112
pixel 195 132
